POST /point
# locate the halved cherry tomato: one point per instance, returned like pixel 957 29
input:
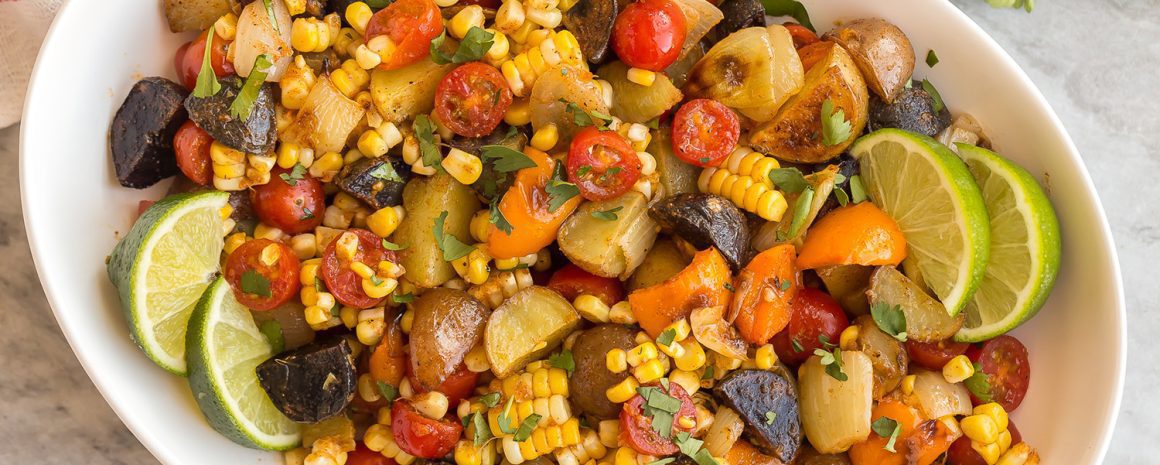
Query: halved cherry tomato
pixel 571 281
pixel 421 436
pixel 649 34
pixel 188 59
pixel 191 145
pixel 801 35
pixel 765 293
pixel 294 206
pixel 1004 360
pixel 961 452
pixel 361 455
pixel 602 164
pixel 344 283
pixel 472 99
pixel 636 428
pixel 705 132
pixel 815 314
pixel 275 284
pixel 411 25
pixel 933 355
pixel 456 387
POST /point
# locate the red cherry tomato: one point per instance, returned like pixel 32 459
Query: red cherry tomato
pixel 1004 360
pixel 189 57
pixel 705 132
pixel 571 281
pixel 361 455
pixel 143 205
pixel 961 452
pixel 815 314
pixel 294 206
pixel 472 99
pixel 636 428
pixel 281 278
pixel 801 35
pixel 649 34
pixel 421 436
pixel 191 145
pixel 602 164
pixel 411 25
pixel 456 387
pixel 343 282
pixel 934 355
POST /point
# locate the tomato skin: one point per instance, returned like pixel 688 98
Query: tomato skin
pixel 421 436
pixel 1004 360
pixel 191 146
pixel 472 99
pixel 283 275
pixel 602 164
pixel 294 209
pixel 571 281
pixel 188 59
pixel 361 455
pixel 636 428
pixel 814 314
pixel 961 452
pixel 801 35
pixel 344 283
pixel 411 25
pixel 649 34
pixel 456 387
pixel 705 132
pixel 934 355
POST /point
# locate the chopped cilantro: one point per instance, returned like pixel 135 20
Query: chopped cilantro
pixel 388 391
pixel 607 215
pixel 451 246
pixel 392 246
pixel 979 384
pixel 788 180
pixel 833 363
pixel 428 150
pixel 888 428
pixel 563 360
pixel 931 58
pixel 243 104
pixel 586 118
pixel 297 173
pixel 801 209
pixel 857 189
pixel 490 399
pixel 934 95
pixel 559 189
pixel 506 159
pixel 386 172
pixel 207 83
pixel 791 8
pixel 273 332
pixel 473 47
pixel 835 128
pixel 505 417
pixel 495 216
pixel 525 430
pixel 403 299
pixel 770 417
pixel 891 320
pixel 481 432
pixel 254 283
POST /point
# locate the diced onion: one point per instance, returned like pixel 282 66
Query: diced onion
pixel 726 429
pixel 836 414
pixel 256 36
pixel 938 398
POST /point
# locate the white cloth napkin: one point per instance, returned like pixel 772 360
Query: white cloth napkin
pixel 22 27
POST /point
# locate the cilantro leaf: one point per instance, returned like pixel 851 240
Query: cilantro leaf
pixel 891 320
pixel 791 8
pixel 833 363
pixel 306 214
pixel 386 171
pixel 931 58
pixel 473 47
pixel 691 447
pixel 607 215
pixel 857 189
pixel 654 123
pixel 979 384
pixel 525 430
pixel 451 246
pixel 586 118
pixel 377 4
pixel 481 431
pixel 392 246
pixel 797 346
pixel 666 337
pixel 207 83
pixel 403 299
pixel 296 174
pixel 801 209
pixel 788 180
pixel 835 128
pixel 842 196
pixel 770 417
pixel 506 158
pixel 490 399
pixel 273 332
pixel 888 428
pixel 708 374
pixel 661 407
pixel 495 216
pixel 388 391
pixel 243 104
pixel 254 283
pixel 559 189
pixel 563 360
pixel 505 417
pixel 425 133
pixel 934 95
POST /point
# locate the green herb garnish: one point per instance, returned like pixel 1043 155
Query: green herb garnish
pixel 296 174
pixel 403 299
pixel 451 246
pixel 666 337
pixel 789 180
pixel 272 330
pixel 506 159
pixel 770 417
pixel 586 118
pixel 392 246
pixel 525 430
pixel 207 83
pixel 386 172
pixel 801 209
pixel 254 283
pixel 388 391
pixel 857 189
pixel 429 151
pixel 473 47
pixel 891 320
pixel 888 428
pixel 490 399
pixel 607 215
pixel 505 417
pixel 495 216
pixel 934 95
pixel 791 8
pixel 481 432
pixel 563 360
pixel 559 189
pixel 979 384
pixel 835 128
pixel 931 58
pixel 833 363
pixel 243 104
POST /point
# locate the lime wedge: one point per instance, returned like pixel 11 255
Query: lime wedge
pixel 224 347
pixel 929 192
pixel 162 266
pixel 1025 247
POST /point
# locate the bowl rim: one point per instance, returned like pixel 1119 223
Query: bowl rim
pixel 165 455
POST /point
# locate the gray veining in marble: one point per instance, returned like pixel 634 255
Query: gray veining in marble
pixel 1098 63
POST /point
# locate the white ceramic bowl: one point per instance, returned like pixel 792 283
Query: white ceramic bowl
pixel 74 210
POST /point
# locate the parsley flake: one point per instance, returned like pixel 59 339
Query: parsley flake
pixel 388 391
pixel 472 48
pixel 506 159
pixel 403 299
pixel 272 330
pixel 708 374
pixel 770 417
pixel 392 246
pixel 254 283
pixel 563 360
pixel 269 4
pixel 307 214
pixel 495 216
pixel 243 104
pixel 207 83
pixel 789 180
pixel 833 363
pixel 490 399
pixel 661 407
pixel 586 118
pixel 835 128
pixel 667 336
pixel 451 246
pixel 931 58
pixel 891 320
pixel 386 171
pixel 857 189
pixel 888 428
pixel 934 95
pixel 801 209
pixel 559 190
pixel 429 151
pixel 607 215
pixel 505 417
pixel 296 174
pixel 979 384
pixel 525 430
pixel 481 432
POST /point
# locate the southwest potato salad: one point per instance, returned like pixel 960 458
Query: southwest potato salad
pixel 577 232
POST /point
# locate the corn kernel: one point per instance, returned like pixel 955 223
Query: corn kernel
pixel 467 454
pixel 693 357
pixel 384 221
pixel 958 369
pixel 995 411
pixel 621 313
pixel 546 137
pixel 616 361
pixel 591 308
pixel 907 385
pixel 765 357
pixel 689 380
pixel 519 113
pixel 464 167
pixel 1004 441
pixel 989 452
pixel 510 16
pixel 980 428
pixel 1019 454
pixel 499 47
pixel 467 18
pixel 622 391
pixel 431 404
pixel 358 14
pixel 558 381
pixel 316 315
pixel 233 241
pixel 642 77
pixel 377 289
pixel 649 371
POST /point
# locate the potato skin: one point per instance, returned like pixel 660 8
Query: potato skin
pixel 882 52
pixel 795 133
pixel 448 323
pixel 592 378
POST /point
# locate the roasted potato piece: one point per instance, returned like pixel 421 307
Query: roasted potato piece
pixel 753 394
pixel 194 15
pixel 141 134
pixel 662 262
pixel 795 133
pixel 425 199
pixel 609 248
pixel 635 103
pixel 706 220
pixel 591 378
pixel 926 318
pixel 887 355
pixel 529 325
pixel 881 51
pixel 848 285
pixel 311 383
pixel 753 71
pixel 256 134
pixel 401 94
pixel 447 324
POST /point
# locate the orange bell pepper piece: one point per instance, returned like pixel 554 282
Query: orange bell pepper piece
pixel 873 451
pixel 388 360
pixel 929 441
pixel 704 283
pixel 765 290
pixel 859 234
pixel 525 205
pixel 743 453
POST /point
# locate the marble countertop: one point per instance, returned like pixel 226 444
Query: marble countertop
pixel 1086 56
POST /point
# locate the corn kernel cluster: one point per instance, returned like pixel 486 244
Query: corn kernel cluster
pixel 986 427
pixel 744 179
